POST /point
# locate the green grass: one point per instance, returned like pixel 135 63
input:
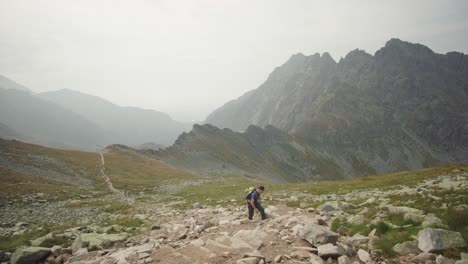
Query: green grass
pixel 131 171
pixel 392 237
pixel 11 243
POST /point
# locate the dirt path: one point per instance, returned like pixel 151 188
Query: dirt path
pixel 122 195
pixel 102 168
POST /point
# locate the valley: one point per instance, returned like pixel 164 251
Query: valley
pixel 157 213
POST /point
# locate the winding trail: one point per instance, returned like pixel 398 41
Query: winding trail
pixel 102 168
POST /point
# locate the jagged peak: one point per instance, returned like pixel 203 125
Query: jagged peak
pixel 404 47
pixel 357 53
pixel 205 128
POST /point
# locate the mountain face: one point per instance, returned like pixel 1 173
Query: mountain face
pixel 47 123
pixel 269 153
pixel 6 83
pixel 123 125
pixel 405 107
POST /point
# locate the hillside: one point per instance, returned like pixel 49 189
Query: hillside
pixel 269 153
pixel 403 108
pixel 6 83
pixel 160 214
pixel 123 125
pixel 47 123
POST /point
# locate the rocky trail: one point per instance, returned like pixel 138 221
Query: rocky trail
pixel 102 169
pixel 122 195
pixel 223 234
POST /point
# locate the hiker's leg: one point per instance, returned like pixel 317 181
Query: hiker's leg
pixel 251 210
pixel 261 210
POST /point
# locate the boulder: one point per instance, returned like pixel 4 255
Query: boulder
pixel 253 237
pixel 41 241
pixel 300 254
pixel 443 260
pixel 343 260
pixel 364 256
pixel 314 259
pixel 249 260
pixel 93 241
pixel 317 235
pixel 27 255
pixel 436 240
pixel 423 257
pixel 431 220
pixel 406 248
pixel 336 206
pixel 330 251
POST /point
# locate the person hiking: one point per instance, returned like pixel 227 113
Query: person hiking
pixel 254 203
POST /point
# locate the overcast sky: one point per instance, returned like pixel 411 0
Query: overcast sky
pixel 187 58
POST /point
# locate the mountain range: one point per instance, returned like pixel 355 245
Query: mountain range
pixel 405 107
pixel 74 120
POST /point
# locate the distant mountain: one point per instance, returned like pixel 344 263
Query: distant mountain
pixel 46 123
pixel 269 152
pixel 8 133
pixel 6 83
pixel 123 125
pixel 403 108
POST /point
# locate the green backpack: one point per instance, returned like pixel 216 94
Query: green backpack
pixel 248 192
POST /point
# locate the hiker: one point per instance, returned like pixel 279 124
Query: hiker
pixel 254 203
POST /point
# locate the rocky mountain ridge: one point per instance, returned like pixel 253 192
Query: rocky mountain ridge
pixel 269 153
pixel 403 108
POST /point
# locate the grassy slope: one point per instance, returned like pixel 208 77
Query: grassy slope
pixel 129 170
pixel 22 154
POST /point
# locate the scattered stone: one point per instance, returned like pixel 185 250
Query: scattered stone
pixel 314 259
pixel 300 254
pixel 343 260
pixel 249 260
pixel 27 255
pixel 364 256
pixel 93 241
pixel 197 206
pixel 406 248
pixel 436 240
pixel 310 249
pixel 317 235
pixel 443 260
pixel 277 259
pixel 330 251
pixel 423 257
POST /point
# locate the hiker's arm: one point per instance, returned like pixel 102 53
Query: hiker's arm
pixel 252 202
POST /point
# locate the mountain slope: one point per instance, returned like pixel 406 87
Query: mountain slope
pixel 404 108
pixel 123 125
pixel 6 83
pixel 47 123
pixel 269 153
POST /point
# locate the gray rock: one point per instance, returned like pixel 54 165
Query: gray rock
pixel 314 259
pixel 27 255
pixel 343 260
pixel 4 256
pixel 93 241
pixel 443 260
pixel 406 248
pixel 430 220
pixel 364 256
pixel 197 206
pixel 317 235
pixel 330 251
pixel 436 240
pixel 249 260
pixel 423 257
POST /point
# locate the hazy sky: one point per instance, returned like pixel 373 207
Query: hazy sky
pixel 187 58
